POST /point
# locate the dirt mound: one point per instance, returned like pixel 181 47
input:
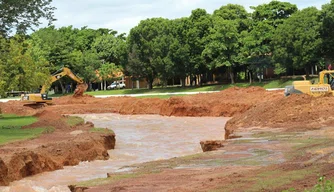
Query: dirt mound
pixel 294 112
pixel 54 155
pixel 226 103
pixel 80 89
pixel 128 105
pixel 17 107
pixel 83 99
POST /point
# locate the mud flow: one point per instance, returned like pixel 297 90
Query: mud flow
pixel 139 138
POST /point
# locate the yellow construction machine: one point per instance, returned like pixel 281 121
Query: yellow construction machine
pixel 42 96
pixel 324 86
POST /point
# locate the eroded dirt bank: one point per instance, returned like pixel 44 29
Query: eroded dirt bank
pixel 64 147
pixel 226 103
pixel 293 113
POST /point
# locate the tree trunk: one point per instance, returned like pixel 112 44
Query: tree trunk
pixel 307 71
pixel 150 83
pixel 250 77
pixel 183 81
pixel 62 86
pixel 105 85
pixel 101 85
pixel 231 75
pixel 90 85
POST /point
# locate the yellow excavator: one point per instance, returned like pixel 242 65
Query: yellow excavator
pixel 323 87
pixel 42 97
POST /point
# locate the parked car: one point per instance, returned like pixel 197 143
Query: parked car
pixel 116 85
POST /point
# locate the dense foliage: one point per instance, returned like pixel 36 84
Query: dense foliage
pixel 231 43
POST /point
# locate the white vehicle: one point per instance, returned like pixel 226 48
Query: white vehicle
pixel 116 85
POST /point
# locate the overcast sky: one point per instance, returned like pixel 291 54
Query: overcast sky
pixel 122 15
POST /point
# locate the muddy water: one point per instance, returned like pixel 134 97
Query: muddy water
pixel 139 138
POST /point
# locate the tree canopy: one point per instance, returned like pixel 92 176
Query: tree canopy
pixel 24 14
pixel 231 43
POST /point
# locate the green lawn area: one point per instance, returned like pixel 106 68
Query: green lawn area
pixel 73 120
pixel 11 128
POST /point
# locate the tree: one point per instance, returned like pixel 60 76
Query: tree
pixel 197 33
pixel 24 14
pixel 327 29
pixel 274 12
pixel 223 45
pixel 224 42
pixel 22 69
pixel 180 49
pixel 111 49
pixel 109 71
pixel 142 42
pixel 258 48
pixel 297 41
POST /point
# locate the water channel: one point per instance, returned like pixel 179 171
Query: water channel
pixel 139 138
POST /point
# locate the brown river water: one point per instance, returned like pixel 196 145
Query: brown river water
pixel 139 138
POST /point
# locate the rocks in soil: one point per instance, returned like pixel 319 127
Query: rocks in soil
pixel 211 145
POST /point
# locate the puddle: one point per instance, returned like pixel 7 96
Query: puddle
pixel 139 138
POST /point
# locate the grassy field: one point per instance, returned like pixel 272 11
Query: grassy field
pixel 11 128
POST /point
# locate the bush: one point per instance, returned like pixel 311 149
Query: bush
pixel 323 186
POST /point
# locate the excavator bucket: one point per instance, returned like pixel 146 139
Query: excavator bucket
pixel 79 91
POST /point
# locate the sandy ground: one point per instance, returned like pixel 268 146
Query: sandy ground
pixel 252 109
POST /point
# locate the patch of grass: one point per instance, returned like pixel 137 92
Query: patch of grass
pixel 16 133
pixel 274 179
pixel 157 90
pixel 323 186
pixel 73 121
pixel 11 128
pixel 9 120
pixel 103 181
pixel 48 130
pixel 163 96
pixel 102 130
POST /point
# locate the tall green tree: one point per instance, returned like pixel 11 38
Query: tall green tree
pixel 327 29
pixel 224 42
pixel 21 68
pixel 180 49
pixel 111 48
pixel 298 41
pixel 223 46
pixel 258 49
pixel 199 30
pixel 142 42
pixel 24 14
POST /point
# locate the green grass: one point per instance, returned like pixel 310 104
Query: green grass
pixel 275 179
pixel 102 130
pixel 103 181
pixel 163 96
pixel 16 134
pixel 73 121
pixel 11 128
pixel 157 90
pixel 14 120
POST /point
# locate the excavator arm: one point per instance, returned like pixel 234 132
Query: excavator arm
pixel 43 97
pixel 59 74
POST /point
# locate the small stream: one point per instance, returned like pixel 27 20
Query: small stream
pixel 139 138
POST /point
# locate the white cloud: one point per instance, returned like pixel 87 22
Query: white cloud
pixel 122 15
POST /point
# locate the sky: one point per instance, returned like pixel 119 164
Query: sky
pixel 122 15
